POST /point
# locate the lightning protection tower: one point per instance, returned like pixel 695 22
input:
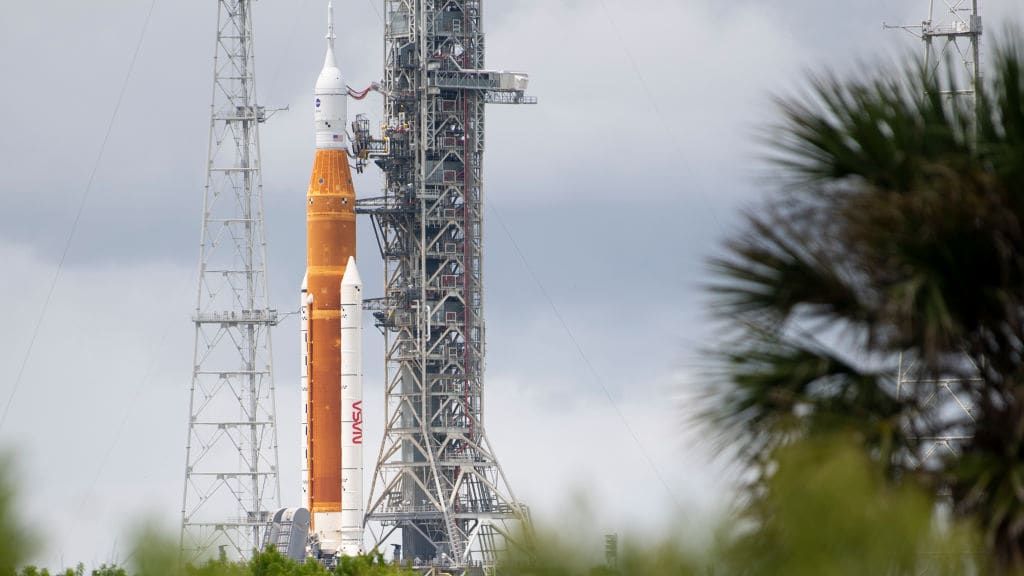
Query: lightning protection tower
pixel 437 479
pixel 231 475
pixel 952 38
pixel 952 58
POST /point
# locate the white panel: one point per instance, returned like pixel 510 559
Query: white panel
pixel 352 429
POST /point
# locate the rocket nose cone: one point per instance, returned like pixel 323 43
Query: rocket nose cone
pixel 330 80
pixel 351 277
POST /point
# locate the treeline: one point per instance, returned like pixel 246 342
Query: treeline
pixel 154 558
pixel 827 506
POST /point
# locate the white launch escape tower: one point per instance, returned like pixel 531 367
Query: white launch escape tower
pixel 231 473
pixel 352 432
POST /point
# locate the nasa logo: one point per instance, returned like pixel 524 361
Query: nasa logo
pixel 357 422
pixel 317 102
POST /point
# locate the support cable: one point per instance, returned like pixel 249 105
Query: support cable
pixel 652 100
pixel 586 361
pixel 376 11
pixel 78 217
pixel 129 409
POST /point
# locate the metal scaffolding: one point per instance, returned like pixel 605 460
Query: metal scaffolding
pixel 437 480
pixel 231 474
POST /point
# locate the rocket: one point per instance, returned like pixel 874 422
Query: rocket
pixel 331 314
pixel 351 411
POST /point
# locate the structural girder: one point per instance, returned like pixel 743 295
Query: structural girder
pixel 231 471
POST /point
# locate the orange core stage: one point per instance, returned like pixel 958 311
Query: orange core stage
pixel 331 240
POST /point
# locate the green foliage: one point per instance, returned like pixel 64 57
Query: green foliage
pixel 270 562
pixel 827 511
pixel 552 556
pixel 78 570
pixel 222 567
pixel 108 570
pixel 154 554
pixel 900 232
pixel 15 544
pixel 368 565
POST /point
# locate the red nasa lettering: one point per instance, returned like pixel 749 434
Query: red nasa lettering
pixel 357 422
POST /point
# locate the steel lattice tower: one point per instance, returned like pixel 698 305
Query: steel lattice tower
pixel 231 474
pixel 437 479
pixel 952 37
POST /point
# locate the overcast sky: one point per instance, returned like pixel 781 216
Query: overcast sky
pixel 616 188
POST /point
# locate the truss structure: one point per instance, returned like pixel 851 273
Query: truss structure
pixel 231 474
pixel 437 480
pixel 950 398
pixel 952 38
pixel 952 56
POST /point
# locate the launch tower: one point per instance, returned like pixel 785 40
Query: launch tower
pixel 437 479
pixel 231 474
pixel 952 39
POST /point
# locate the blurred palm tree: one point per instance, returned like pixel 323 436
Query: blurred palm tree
pixel 899 230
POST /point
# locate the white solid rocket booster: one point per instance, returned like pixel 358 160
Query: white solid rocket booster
pixel 351 411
